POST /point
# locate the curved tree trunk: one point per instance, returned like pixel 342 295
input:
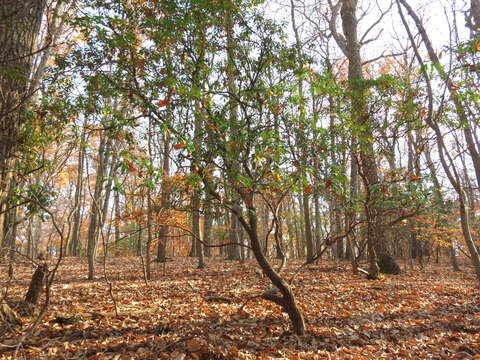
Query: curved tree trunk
pixel 446 160
pixel 287 299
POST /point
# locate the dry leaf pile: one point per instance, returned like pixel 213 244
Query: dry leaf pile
pixel 194 314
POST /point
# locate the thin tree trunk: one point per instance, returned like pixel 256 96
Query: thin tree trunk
pixel 448 166
pixel 351 212
pixel 287 300
pixel 140 231
pixel 439 196
pixel 302 139
pixel 308 227
pixel 148 272
pixel 197 233
pixel 231 74
pixel 472 146
pixel 96 207
pixel 302 242
pixel 74 242
pixel 11 234
pixel 207 229
pixel 116 196
pixel 163 234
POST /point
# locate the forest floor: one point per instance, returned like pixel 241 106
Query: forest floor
pixel 187 313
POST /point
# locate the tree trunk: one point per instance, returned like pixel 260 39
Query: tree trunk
pixel 19 28
pixel 231 74
pixel 233 249
pixel 207 229
pixel 74 242
pixel 11 239
pixel 197 233
pixel 36 284
pixel 287 300
pixel 317 233
pixel 350 214
pixel 148 271
pixel 96 207
pixel 163 234
pixel 116 221
pixel 300 250
pixel 368 167
pixel 462 112
pixel 439 197
pixel 36 233
pixel 308 227
pixel 447 162
pixel 301 225
pixel 139 241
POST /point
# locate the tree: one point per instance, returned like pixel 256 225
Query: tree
pixel 350 45
pixel 19 28
pixel 462 112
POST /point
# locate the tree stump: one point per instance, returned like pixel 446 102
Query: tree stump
pixel 387 264
pixel 36 285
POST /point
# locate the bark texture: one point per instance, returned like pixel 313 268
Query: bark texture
pixel 367 165
pixel 19 28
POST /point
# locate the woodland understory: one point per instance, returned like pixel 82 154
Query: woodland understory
pixel 187 314
pixel 224 179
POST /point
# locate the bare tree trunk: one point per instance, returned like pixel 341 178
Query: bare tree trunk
pixel 439 196
pixel 139 244
pixel 139 241
pixel 74 242
pixel 291 235
pixel 197 233
pixel 50 39
pixel 473 17
pixel 163 233
pixel 11 237
pixel 351 213
pixel 148 271
pixel 317 233
pixel 116 196
pixel 231 73
pixel 308 227
pixel 96 207
pixel 301 239
pixel 36 233
pixel 207 229
pixel 195 201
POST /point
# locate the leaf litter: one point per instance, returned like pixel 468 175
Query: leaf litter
pixel 194 314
